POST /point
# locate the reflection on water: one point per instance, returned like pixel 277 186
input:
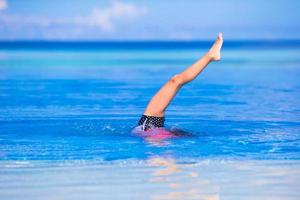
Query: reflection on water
pixel 166 172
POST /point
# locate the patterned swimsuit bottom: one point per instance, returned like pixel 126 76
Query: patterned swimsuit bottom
pixel 150 122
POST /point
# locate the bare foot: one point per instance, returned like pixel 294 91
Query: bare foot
pixel 215 51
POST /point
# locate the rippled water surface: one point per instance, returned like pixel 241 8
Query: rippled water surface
pixel 69 109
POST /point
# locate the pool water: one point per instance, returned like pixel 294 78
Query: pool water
pixel 67 111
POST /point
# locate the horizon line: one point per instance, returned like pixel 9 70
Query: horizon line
pixel 146 41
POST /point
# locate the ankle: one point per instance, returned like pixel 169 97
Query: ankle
pixel 209 55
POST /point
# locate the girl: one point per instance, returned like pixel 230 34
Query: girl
pixel 153 116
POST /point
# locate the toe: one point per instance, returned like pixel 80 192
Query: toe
pixel 220 36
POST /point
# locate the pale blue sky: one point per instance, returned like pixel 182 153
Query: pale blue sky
pixel 148 20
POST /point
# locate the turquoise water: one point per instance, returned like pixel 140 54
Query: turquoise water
pixel 71 103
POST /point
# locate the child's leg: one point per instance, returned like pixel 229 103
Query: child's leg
pixel 164 96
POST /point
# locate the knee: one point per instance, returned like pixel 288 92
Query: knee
pixel 177 80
